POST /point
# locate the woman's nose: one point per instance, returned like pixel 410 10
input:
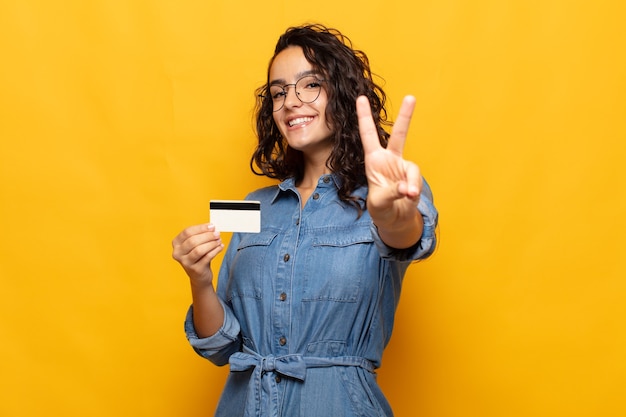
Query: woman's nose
pixel 291 98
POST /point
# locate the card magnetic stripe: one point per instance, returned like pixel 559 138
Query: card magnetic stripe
pixel 234 206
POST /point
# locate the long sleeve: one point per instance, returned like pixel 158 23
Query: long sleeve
pixel 427 243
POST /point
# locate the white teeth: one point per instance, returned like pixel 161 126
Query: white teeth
pixel 299 120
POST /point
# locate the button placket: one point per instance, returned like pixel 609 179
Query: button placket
pixel 282 284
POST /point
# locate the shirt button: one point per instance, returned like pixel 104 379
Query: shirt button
pixel 316 196
pixel 277 379
pixel 286 257
pixel 326 179
pixel 297 222
pixel 282 341
pixel 283 296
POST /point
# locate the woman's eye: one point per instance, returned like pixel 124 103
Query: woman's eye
pixel 278 94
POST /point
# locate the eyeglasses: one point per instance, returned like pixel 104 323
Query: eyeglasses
pixel 307 90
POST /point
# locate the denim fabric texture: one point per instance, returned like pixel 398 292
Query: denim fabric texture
pixel 309 306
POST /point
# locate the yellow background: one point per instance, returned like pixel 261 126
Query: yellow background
pixel 120 119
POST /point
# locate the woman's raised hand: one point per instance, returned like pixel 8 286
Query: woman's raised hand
pixel 394 183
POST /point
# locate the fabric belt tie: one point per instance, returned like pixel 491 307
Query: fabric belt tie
pixel 289 365
pixel 292 365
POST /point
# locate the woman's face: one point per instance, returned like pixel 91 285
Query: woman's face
pixel 302 125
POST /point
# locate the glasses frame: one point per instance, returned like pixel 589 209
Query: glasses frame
pixel 285 89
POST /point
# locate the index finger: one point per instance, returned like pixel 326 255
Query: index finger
pixel 401 126
pixel 367 128
pixel 192 231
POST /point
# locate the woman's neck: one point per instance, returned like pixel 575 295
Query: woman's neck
pixel 312 174
pixel 315 164
pixel 313 170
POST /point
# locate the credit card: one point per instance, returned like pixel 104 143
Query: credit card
pixel 236 215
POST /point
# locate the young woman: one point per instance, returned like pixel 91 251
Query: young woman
pixel 304 309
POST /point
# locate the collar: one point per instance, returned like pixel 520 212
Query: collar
pixel 289 184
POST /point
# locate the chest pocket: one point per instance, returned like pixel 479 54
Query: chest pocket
pixel 339 264
pixel 246 274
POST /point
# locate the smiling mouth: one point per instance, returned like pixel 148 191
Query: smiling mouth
pixel 299 121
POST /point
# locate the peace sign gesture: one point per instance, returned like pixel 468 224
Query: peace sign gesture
pixel 394 183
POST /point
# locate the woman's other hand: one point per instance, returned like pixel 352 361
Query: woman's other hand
pixel 194 248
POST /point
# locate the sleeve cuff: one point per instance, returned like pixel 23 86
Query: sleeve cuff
pixel 424 247
pixel 225 336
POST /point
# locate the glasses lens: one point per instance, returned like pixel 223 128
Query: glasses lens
pixel 277 94
pixel 308 89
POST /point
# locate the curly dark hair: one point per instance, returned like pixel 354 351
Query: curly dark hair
pixel 348 75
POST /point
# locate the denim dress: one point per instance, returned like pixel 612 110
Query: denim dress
pixel 309 306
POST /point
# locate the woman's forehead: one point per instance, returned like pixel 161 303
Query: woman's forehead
pixel 289 65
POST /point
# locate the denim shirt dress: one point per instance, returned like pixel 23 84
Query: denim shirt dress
pixel 309 306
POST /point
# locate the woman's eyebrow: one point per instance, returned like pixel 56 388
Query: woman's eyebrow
pixel 282 81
